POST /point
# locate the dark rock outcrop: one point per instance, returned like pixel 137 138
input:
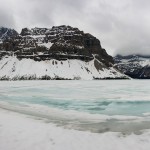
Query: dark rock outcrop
pixel 59 42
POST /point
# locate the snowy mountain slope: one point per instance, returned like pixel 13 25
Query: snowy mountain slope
pixel 13 69
pixel 135 66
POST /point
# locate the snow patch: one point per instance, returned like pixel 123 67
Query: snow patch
pixel 47 45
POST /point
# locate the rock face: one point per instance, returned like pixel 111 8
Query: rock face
pixel 59 43
pixel 135 66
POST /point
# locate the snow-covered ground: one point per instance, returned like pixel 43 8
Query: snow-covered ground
pixel 22 132
pixel 12 68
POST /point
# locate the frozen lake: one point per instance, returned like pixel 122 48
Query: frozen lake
pixel 97 106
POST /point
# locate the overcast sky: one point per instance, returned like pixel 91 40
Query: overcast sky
pixel 123 26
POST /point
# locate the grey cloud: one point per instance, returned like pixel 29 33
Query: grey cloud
pixel 121 26
pixel 6 16
pixel 47 12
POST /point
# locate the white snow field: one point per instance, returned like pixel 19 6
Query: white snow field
pixel 21 132
pixel 12 68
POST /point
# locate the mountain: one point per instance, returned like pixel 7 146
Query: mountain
pixel 6 33
pixel 60 52
pixel 135 66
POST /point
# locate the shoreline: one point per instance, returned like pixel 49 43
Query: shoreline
pixel 65 79
pixel 22 132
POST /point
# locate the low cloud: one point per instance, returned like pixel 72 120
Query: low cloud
pixel 121 26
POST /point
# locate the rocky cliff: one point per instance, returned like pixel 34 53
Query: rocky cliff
pixel 63 48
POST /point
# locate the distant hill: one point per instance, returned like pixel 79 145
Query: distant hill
pixel 6 33
pixel 135 66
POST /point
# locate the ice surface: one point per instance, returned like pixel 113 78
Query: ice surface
pixel 19 132
pixel 87 115
pixel 87 101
